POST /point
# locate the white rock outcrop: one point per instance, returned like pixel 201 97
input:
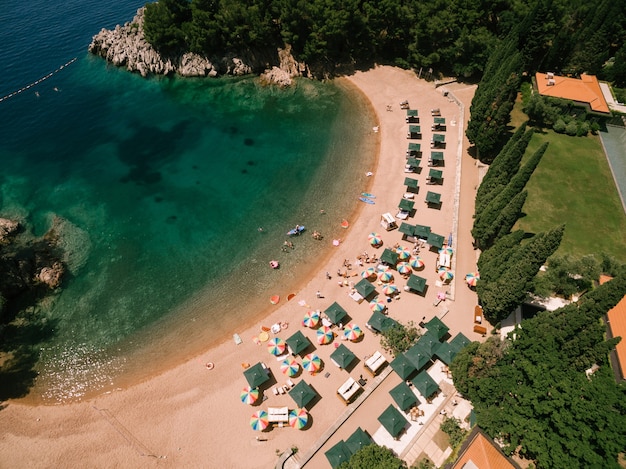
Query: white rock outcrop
pixel 126 46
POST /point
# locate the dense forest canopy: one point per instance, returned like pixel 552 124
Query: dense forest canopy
pixel 452 36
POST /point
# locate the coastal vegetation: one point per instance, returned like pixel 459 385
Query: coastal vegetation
pixel 537 393
pixel 398 339
pixel 374 457
pixel 572 41
pixel 451 37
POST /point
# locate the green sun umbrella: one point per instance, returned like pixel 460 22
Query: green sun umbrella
pixel 404 396
pixel 335 312
pixel 418 356
pixel 302 393
pixel 359 439
pixel 392 420
pixel 338 454
pixel 298 342
pixel 425 384
pixel 256 375
pixel 342 356
pixel 402 366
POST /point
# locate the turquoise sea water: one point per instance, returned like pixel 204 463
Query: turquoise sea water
pixel 164 184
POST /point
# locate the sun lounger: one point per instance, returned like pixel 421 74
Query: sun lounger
pixel 480 329
pixel 290 383
pixel 275 391
pixel 374 363
pixel 348 390
pixel 278 415
pixel 356 296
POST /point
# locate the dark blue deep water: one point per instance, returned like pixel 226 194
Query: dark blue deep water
pixel 162 184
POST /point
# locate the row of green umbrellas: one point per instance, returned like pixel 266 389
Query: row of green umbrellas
pixel 343 450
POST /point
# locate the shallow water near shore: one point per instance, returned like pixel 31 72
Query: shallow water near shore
pixel 165 184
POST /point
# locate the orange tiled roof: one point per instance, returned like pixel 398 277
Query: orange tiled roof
pixel 617 323
pixel 584 90
pixel 483 453
pixel 604 278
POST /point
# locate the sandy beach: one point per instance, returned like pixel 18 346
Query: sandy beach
pixel 191 416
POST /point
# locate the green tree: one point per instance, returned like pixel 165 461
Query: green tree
pixel 399 338
pixel 164 24
pixel 499 297
pixel 374 457
pixel 452 427
pixel 484 223
pixel 503 168
pixel 534 394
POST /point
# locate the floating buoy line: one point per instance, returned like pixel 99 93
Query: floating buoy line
pixel 35 83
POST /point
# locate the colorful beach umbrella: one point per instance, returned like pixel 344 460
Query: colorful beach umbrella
pixel 249 395
pixel 369 272
pixel 404 268
pixel 259 420
pixel 298 418
pixel 446 275
pixel 403 253
pixel 472 278
pixel 276 346
pixel 325 335
pixel 352 332
pixel 416 263
pixel 385 276
pixel 389 289
pixel 290 366
pixel 312 363
pixel 447 250
pixel 374 239
pixel 378 305
pixel 311 319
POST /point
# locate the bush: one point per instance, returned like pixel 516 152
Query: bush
pixel 583 129
pixel 451 426
pixel 559 126
pixel 399 338
pixel 571 129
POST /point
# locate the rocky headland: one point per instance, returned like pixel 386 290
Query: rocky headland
pixel 126 46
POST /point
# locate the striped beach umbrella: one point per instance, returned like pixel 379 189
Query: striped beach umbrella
pixel 312 363
pixel 374 239
pixel 311 319
pixel 298 418
pixel 385 276
pixel 276 346
pixel 403 268
pixel 325 335
pixel 259 420
pixel 389 289
pixel 352 332
pixel 446 275
pixel 417 263
pixel 290 366
pixel 472 278
pixel 369 272
pixel 377 305
pixel 403 253
pixel 249 395
pixel 447 250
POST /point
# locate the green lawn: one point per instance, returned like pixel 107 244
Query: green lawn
pixel 573 185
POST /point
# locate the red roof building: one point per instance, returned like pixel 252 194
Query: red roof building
pixel 480 452
pixel 617 324
pixel 584 90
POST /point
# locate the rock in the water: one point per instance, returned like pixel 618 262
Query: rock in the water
pixel 51 276
pixel 7 228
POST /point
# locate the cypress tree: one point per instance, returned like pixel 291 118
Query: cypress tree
pixel 507 218
pixel 501 296
pixel 494 261
pixel 503 168
pixel 484 220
